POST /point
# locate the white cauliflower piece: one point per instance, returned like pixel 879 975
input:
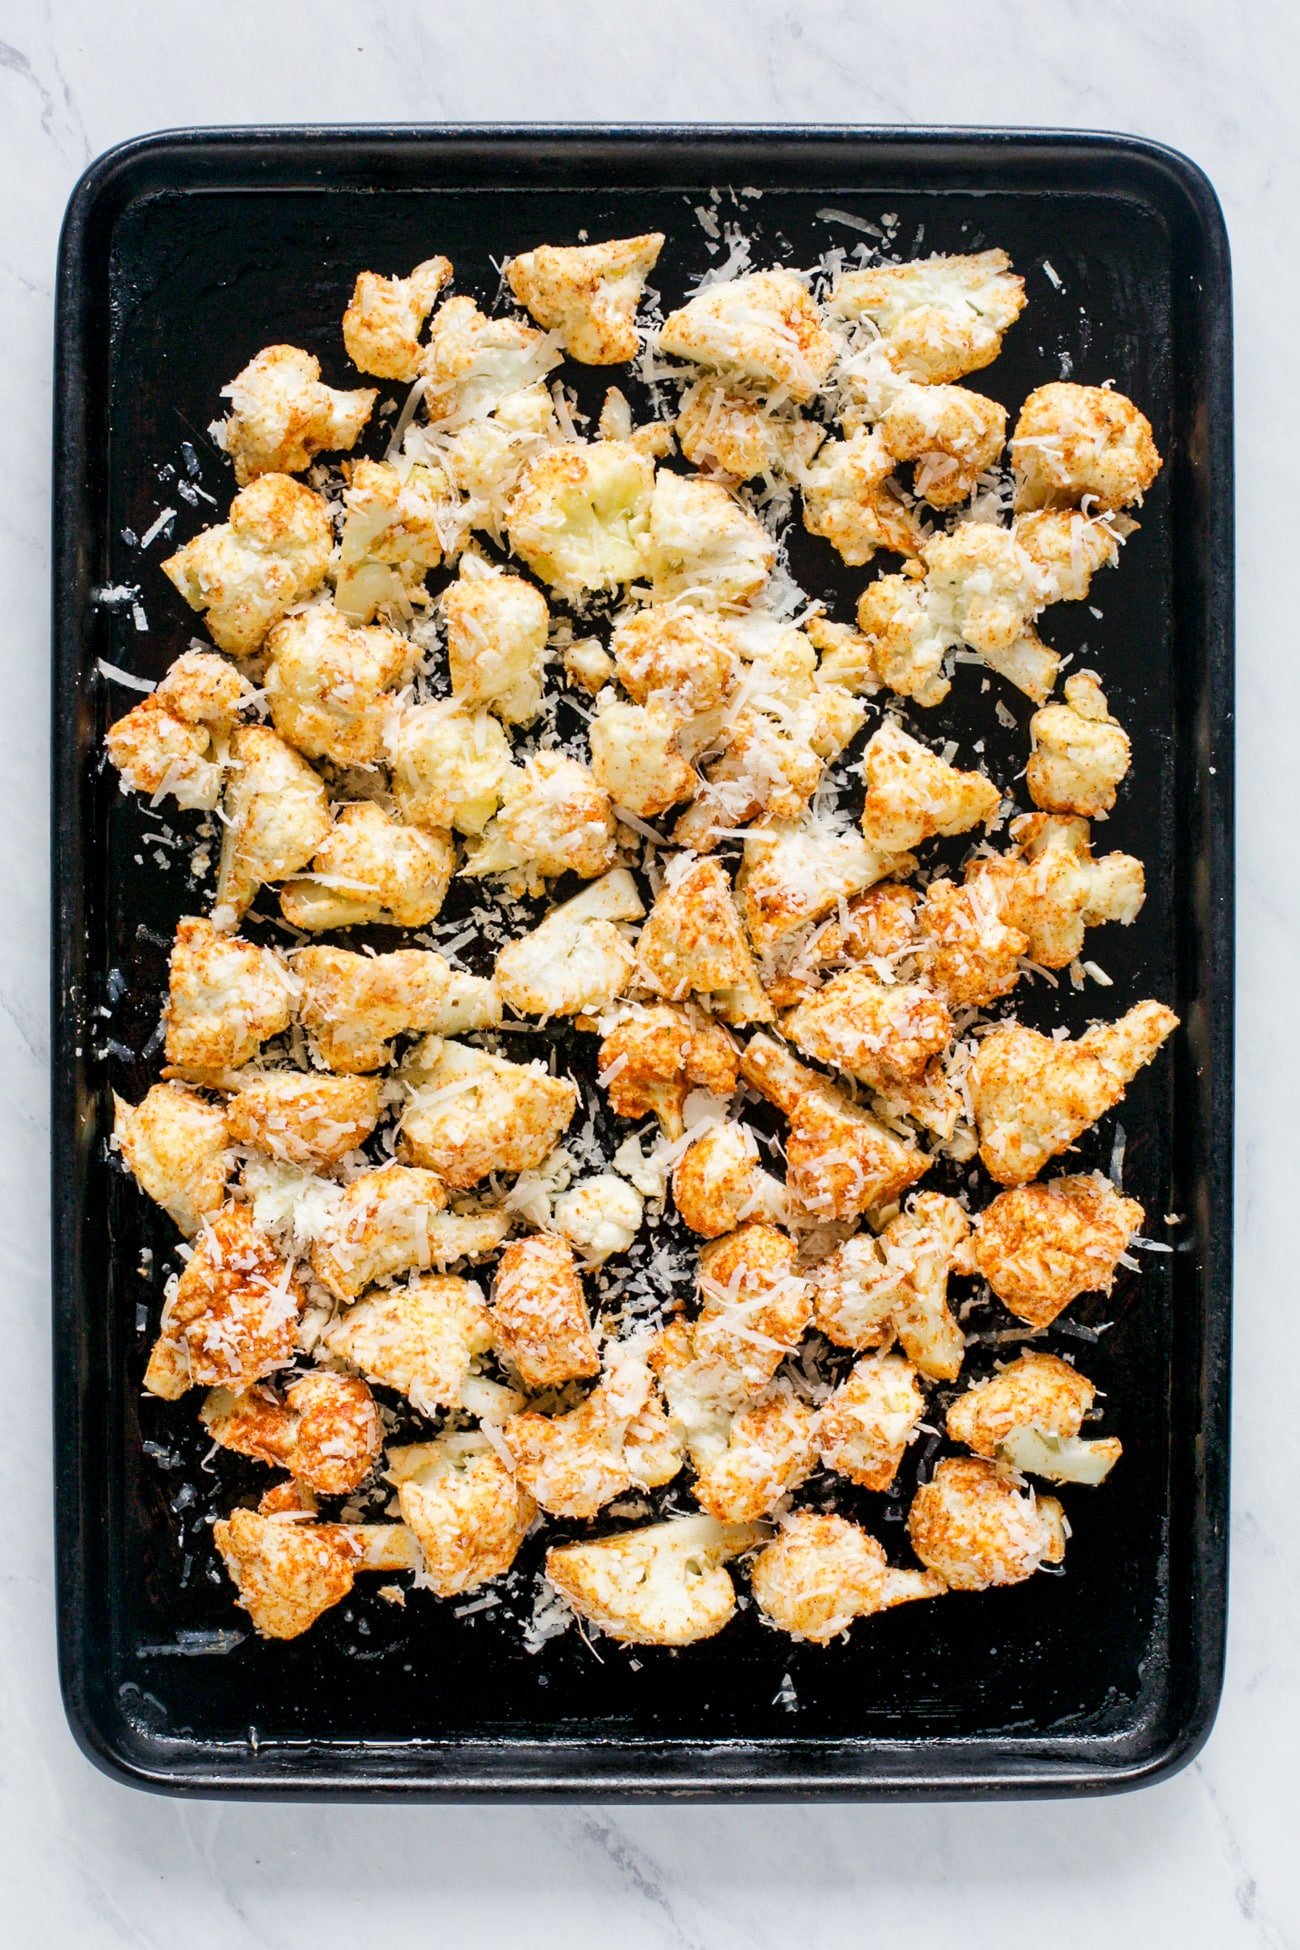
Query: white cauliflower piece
pixel 764 326
pixel 580 515
pixel 635 756
pixel 579 958
pixel 974 1528
pixel 670 654
pixel 174 742
pixel 232 1316
pixel 939 317
pixel 463 1505
pixel 904 645
pixel 983 588
pixel 1069 546
pixel 450 766
pixel 588 666
pixel 301 1118
pixel 385 316
pixel 587 294
pixel 881 1033
pixel 553 819
pixel 426 1339
pixel 271 552
pixel 718 1181
pixel 873 1290
pixel 823 1572
pixel 770 1451
pixel 743 433
pixel 619 1438
pixel 399 521
pixel 353 1005
pixel 497 627
pixel 1076 442
pixel 1029 1415
pixel 368 868
pixel 225 997
pixel 377 1227
pixel 275 815
pixel 952 434
pixel 851 499
pixel 863 1430
pixel 912 794
pixel 661 1585
pixel 1041 1246
pixel 471 364
pixel 755 1306
pixel 653 1058
pixel 704 548
pixel 1080 752
pixel 797 874
pixel 1053 890
pixel 469 1114
pixel 329 683
pixel 484 458
pixel 694 944
pixel 325 1432
pixel 176 1146
pixel 599 1217
pixel 282 416
pixel 288 1573
pixel 967 951
pixel 539 1312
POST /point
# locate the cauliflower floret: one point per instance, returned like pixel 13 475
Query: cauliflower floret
pixel 863 1430
pixel 894 1286
pixel 579 958
pixel 754 1306
pixel 329 682
pixel 882 1034
pixel 273 551
pixel 939 317
pixel 369 867
pixel 852 501
pixel 984 589
pixel 385 316
pixel 635 756
pixel 225 997
pixel 840 1159
pixel 878 927
pixel 588 666
pixel 654 1057
pixel 822 1572
pixel 472 363
pixel 763 326
pixel 718 1181
pixel 276 813
pixel 1029 1415
pixel 553 819
pixel 704 548
pixel 450 766
pixel 1033 1095
pixel 174 741
pixel 580 515
pixel 587 294
pixel 539 1312
pixel 1073 442
pixel 619 1438
pixel 1069 547
pixel 1053 890
pixel 968 952
pixel 325 1432
pixel 379 1226
pixel 232 1315
pixel 905 646
pixel 353 1005
pixel 680 657
pixel 794 875
pixel 742 433
pixel 496 641
pixel 425 1339
pixel 661 1585
pixel 301 1118
pixel 465 1508
pixel 469 1114
pixel 770 1451
pixel 975 1528
pixel 776 742
pixel 289 1572
pixel 704 1392
pixel 1041 1246
pixel 599 1217
pixel 398 524
pixel 694 944
pixel 1080 751
pixel 912 794
pixel 282 416
pixel 484 458
pixel 176 1145
pixel 654 438
pixel 953 436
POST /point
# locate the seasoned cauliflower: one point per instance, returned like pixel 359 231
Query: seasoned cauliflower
pixel 587 294
pixel 763 326
pixel 282 416
pixel 174 742
pixel 775 742
pixel 703 1390
pixel 379 1226
pixel 718 1181
pixel 754 1306
pixel 580 516
pixel 599 1217
pixel 770 1450
pixel 661 1585
pixel 974 1528
pixel 1034 1095
pixel 271 552
pixel 465 1508
pixel 276 813
pixel 851 499
pixel 468 1114
pixel 329 683
pixel 952 434
pixel 288 1572
pixel 797 874
pixel 653 1058
pixel 225 997
pixel 426 1339
pixel 1041 1246
pixel 872 1291
pixel 588 666
pixel 176 1145
pixel 353 1005
pixel 1069 547
pixel 1080 751
pixel 472 364
pixel 984 589
pixel 635 756
pixel 863 1430
pixel 880 1033
pixel 496 641
pixel 484 458
pixel 840 1159
pixel 912 794
pixel 1052 889
pixel 743 433
pixel 553 819
pixel 618 1439
pixel 579 958
pixel 385 316
pixel 450 766
pixel 939 317
pixel 325 1432
pixel 967 951
pixel 703 547
pixel 1073 443
pixel 694 944
pixel 822 1572
pixel 905 646
pixel 399 521
pixel 301 1118
pixel 1029 1415
pixel 539 1312
pixel 369 867
pixel 232 1315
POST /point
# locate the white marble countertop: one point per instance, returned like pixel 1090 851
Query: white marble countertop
pixel 1210 1859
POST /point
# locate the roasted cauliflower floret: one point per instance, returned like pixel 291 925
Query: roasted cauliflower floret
pixel 553 819
pixel 840 1159
pixel 967 950
pixel 763 327
pixel 539 1312
pixel 379 1226
pixel 618 1439
pixel 587 294
pixel 654 1057
pixel 399 522
pixel 797 874
pixel 1033 1095
pixel 369 867
pixel 703 547
pixel 425 1339
pixel 1053 890
pixel 754 1306
pixel 770 1451
pixel 485 458
pixel 743 433
pixel 661 1585
pixel 282 416
pixel 271 552
pixel 276 813
pixel 225 997
pixel 329 683
pixel 952 434
pixel 670 654
pixel 580 516
pixel 635 756
pixel 974 1528
pixel 289 1572
pixel 1080 751
pixel 1041 1246
pixel 718 1181
pixel 469 1114
pixel 880 1033
pixel 599 1217
pixel 862 1432
pixel 465 1508
pixel 496 641
pixel 385 316
pixel 174 742
pixel 1029 1415
pixel 176 1145
pixel 894 1286
pixel 694 944
pixel 822 1572
pixel 232 1316
pixel 353 1005
pixel 851 499
pixel 905 645
pixel 472 364
pixel 301 1118
pixel 579 958
pixel 450 766
pixel 984 589
pixel 912 794
pixel 1073 443
pixel 325 1432
pixel 775 748
pixel 1069 547
pixel 939 317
